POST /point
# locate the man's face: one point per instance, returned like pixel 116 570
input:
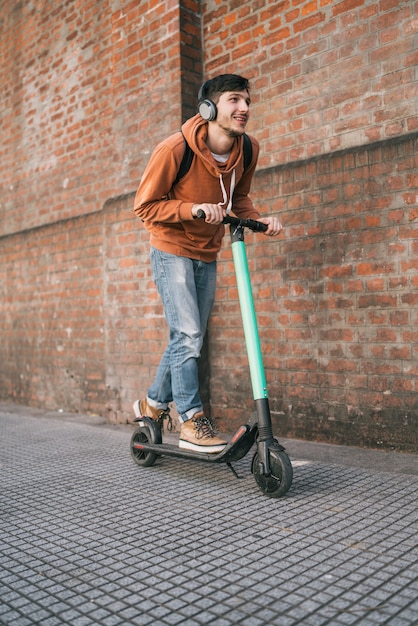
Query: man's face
pixel 233 112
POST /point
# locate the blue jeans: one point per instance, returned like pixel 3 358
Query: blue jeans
pixel 187 290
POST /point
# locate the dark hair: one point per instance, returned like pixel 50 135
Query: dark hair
pixel 222 83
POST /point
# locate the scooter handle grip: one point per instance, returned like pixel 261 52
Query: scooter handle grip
pixel 255 225
pixel 247 223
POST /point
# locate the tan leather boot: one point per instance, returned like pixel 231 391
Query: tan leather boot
pixel 198 434
pixel 142 409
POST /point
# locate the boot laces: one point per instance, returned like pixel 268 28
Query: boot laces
pixel 204 428
pixel 165 414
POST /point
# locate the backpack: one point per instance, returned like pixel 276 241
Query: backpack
pixel 188 155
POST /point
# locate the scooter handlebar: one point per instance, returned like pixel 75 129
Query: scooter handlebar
pixel 236 221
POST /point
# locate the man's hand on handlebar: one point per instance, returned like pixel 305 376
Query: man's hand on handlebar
pixel 214 213
pixel 274 225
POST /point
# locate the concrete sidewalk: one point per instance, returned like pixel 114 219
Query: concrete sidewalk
pixel 89 538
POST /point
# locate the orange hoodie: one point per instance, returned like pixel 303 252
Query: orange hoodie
pixel 167 211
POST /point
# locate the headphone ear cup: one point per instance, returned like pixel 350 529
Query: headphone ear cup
pixel 208 110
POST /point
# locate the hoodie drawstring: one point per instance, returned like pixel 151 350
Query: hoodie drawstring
pixel 225 195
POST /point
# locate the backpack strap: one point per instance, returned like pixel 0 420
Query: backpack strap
pixel 186 161
pixel 248 151
pixel 188 155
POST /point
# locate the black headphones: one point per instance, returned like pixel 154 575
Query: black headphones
pixel 207 108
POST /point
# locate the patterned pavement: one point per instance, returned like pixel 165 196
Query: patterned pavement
pixel 88 538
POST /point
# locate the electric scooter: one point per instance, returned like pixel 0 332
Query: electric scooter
pixel 271 465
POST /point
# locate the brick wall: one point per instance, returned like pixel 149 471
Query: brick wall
pixel 326 74
pixel 52 335
pixel 85 85
pixel 336 298
pixel 90 88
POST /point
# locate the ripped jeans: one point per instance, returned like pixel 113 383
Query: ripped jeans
pixel 187 290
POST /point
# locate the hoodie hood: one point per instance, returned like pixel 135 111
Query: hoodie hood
pixel 195 131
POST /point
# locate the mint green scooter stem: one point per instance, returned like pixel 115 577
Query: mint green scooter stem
pixel 249 320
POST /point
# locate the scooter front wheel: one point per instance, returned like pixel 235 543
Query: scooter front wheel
pixel 280 479
pixel 141 457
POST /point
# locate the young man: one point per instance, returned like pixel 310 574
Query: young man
pixel 184 249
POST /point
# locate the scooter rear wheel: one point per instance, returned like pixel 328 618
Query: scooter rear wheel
pixel 278 483
pixel 145 459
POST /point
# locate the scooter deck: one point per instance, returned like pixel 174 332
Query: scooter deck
pixel 236 449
